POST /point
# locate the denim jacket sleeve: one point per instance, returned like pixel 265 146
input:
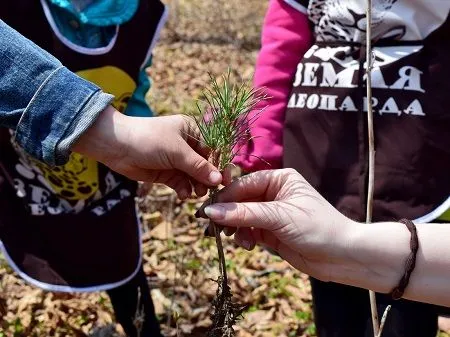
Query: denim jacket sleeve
pixel 48 106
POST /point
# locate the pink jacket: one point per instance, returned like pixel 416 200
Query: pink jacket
pixel 286 36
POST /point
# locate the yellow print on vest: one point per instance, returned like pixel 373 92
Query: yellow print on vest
pixel 113 81
pixel 78 179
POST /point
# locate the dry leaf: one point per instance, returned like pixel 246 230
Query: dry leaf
pixel 162 231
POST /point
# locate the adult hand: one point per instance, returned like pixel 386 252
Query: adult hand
pixel 165 150
pixel 279 209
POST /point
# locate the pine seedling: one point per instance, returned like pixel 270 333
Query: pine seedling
pixel 225 124
pixel 229 122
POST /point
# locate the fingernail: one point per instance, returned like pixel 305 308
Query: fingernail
pixel 215 212
pixel 215 177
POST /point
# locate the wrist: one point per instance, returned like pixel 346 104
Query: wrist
pixel 345 250
pixel 104 140
pixel 376 254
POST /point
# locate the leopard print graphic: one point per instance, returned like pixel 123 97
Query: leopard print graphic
pixel 76 180
pixel 336 20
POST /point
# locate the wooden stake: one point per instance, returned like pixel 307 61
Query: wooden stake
pixel 377 328
pixel 370 133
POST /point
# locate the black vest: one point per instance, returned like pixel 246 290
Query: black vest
pixel 325 134
pixel 75 226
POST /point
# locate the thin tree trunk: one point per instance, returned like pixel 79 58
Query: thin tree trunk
pixel 370 186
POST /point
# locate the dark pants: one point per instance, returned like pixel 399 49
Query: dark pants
pixel 344 311
pixel 125 300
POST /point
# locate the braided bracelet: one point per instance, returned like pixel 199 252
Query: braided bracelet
pixel 398 291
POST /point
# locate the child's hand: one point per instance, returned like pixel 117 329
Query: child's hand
pixel 163 150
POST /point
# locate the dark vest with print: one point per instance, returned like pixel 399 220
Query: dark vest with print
pixel 75 225
pixel 325 134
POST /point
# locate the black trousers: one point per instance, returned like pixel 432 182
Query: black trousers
pixel 124 300
pixel 344 311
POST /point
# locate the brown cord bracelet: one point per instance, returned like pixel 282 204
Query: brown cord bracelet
pixel 398 291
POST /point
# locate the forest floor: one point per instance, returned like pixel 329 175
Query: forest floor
pixel 201 37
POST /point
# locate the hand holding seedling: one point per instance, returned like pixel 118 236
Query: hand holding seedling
pixel 165 150
pixel 281 210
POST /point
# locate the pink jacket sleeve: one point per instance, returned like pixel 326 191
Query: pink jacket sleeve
pixel 286 36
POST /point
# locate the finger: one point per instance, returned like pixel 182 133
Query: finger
pixel 174 179
pixel 248 238
pixel 260 186
pixel 201 211
pixel 177 181
pixel 139 174
pixel 181 185
pixel 244 238
pixel 227 174
pixel 265 238
pixel 200 189
pixel 253 186
pixel 194 165
pixel 262 215
pixel 249 188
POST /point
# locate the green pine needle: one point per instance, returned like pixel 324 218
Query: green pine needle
pixel 228 125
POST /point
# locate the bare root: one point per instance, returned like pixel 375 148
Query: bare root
pixel 226 312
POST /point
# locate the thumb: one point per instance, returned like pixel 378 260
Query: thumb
pixel 261 215
pixel 197 167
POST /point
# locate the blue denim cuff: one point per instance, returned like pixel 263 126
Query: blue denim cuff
pixel 82 121
pixel 63 107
